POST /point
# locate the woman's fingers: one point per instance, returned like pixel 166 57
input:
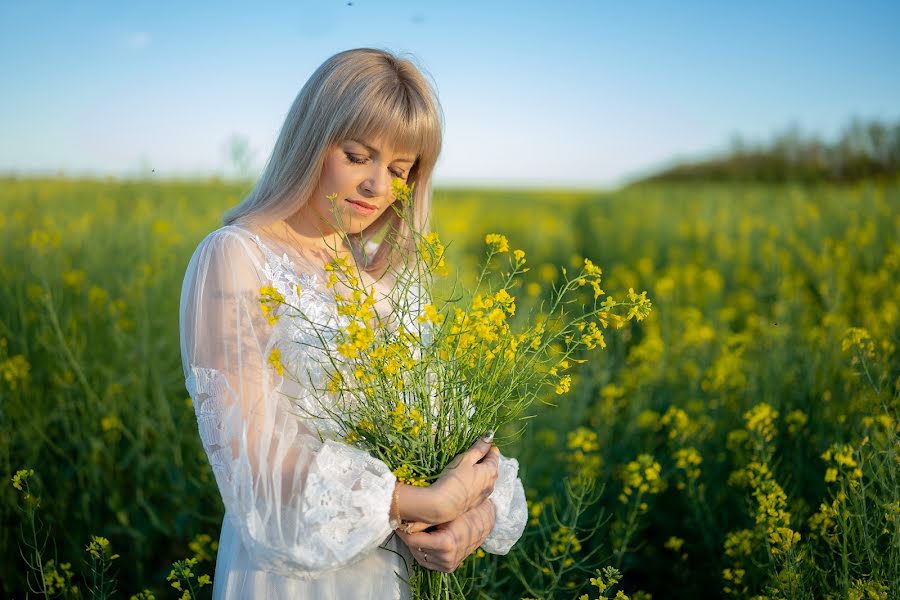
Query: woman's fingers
pixel 415 526
pixel 433 551
pixel 492 457
pixel 481 447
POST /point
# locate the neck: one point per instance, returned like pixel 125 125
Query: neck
pixel 311 234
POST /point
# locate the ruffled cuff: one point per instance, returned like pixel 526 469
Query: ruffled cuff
pixel 512 510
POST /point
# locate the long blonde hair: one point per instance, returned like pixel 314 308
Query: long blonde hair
pixel 360 94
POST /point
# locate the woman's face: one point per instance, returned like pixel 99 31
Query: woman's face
pixel 359 172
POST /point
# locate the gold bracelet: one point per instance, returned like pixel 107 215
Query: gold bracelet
pixel 396 500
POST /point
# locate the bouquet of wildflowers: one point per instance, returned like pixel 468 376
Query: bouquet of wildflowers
pixel 418 385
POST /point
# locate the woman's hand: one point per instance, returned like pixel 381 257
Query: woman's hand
pixel 445 546
pixel 467 481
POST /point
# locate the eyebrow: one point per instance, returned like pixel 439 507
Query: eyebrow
pixel 375 151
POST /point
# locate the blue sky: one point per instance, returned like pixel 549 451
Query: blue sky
pixel 581 94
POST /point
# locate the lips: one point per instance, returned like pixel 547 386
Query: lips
pixel 363 204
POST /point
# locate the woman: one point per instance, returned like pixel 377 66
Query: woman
pixel 309 516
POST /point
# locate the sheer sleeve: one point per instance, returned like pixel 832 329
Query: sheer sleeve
pixel 302 506
pixel 512 510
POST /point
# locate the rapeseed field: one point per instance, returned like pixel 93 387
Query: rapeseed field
pixel 742 441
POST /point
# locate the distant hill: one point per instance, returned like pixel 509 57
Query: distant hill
pixel 864 150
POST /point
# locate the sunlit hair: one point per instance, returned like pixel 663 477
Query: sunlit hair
pixel 361 94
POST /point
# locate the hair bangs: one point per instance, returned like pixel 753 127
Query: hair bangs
pixel 403 120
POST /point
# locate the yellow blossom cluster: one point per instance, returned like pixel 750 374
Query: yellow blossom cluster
pixel 357 339
pixel 593 338
pixel 99 548
pixel 734 578
pixel 563 541
pixel 432 251
pixel 585 447
pixel 843 456
pixel 21 477
pixel 431 315
pixel 796 420
pixel 340 268
pixel 771 502
pixel 391 358
pixel 641 475
pixel 407 475
pixel 604 582
pixel 15 371
pixel 761 420
pixel 689 460
pixel 678 422
pixel 182 569
pixel 641 307
pixel 358 305
pixel 483 332
pixel 859 339
pixel 824 523
pixel 275 361
pixel 564 384
pixel 497 242
pixel 402 191
pixel 405 420
pixel 58 580
pixel 269 300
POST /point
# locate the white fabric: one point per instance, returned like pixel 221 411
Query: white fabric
pixel 306 516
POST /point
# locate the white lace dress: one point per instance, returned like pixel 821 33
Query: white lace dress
pixel 304 518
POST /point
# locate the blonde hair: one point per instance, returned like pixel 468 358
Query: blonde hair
pixel 360 94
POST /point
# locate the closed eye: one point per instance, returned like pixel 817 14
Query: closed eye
pixel 361 161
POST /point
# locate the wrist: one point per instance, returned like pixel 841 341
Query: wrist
pixel 419 504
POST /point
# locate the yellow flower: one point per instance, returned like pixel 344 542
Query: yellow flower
pixel 405 474
pixel 15 371
pixel 20 477
pixel 401 190
pixel 432 251
pixel 643 475
pixel 269 300
pixel 674 543
pixel 564 384
pixel 431 315
pixel 591 269
pixel 688 460
pixel 498 241
pixel 275 361
pixel 761 419
pixel 99 547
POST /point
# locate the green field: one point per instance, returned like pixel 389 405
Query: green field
pixel 741 441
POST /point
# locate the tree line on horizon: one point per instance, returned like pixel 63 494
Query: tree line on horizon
pixel 865 149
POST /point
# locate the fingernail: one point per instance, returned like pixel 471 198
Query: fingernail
pixel 488 435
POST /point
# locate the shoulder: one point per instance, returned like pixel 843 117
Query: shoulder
pixel 229 243
pixel 226 257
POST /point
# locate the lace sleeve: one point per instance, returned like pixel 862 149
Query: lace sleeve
pixel 302 506
pixel 512 510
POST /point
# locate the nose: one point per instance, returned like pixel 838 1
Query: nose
pixel 377 182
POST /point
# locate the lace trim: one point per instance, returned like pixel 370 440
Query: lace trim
pixel 208 388
pixel 512 509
